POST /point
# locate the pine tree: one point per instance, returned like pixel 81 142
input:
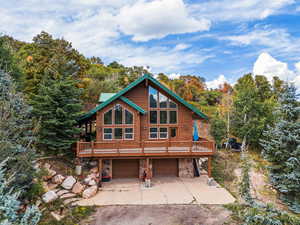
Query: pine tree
pixel 281 147
pixel 57 106
pixel 10 205
pixel 16 136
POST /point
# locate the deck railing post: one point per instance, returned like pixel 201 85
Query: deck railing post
pixel 168 144
pixel 118 147
pixel 92 147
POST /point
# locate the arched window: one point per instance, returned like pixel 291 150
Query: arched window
pixel 128 117
pixel 108 117
pixel 123 118
pixel 118 114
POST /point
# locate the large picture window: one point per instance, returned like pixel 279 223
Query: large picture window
pixel 153 94
pixel 163 110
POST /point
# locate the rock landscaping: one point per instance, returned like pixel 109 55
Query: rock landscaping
pixel 68 188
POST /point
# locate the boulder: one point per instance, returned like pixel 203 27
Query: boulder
pixel 52 186
pixel 62 192
pixel 56 216
pixel 50 174
pixel 68 195
pixel 89 192
pixel 45 186
pixel 70 200
pixel 57 179
pixel 78 188
pixel 49 196
pixel 87 180
pixel 68 182
pixel 92 182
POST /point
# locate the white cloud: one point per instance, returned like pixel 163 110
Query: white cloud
pixel 237 10
pixel 174 75
pixel 93 27
pixel 297 67
pixel 216 82
pixel 146 20
pixel 268 66
pixel 277 41
pixel 181 46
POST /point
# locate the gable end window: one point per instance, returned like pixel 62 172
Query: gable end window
pixel 118 115
pixel 118 124
pixel 163 110
pixel 108 117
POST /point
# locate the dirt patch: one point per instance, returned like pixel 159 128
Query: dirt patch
pixel 162 215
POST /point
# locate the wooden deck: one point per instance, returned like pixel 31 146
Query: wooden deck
pixel 145 148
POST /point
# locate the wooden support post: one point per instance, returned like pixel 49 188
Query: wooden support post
pixel 168 144
pixel 209 166
pixel 91 122
pixel 92 147
pixel 148 175
pixel 100 172
pixel 77 148
pixel 86 128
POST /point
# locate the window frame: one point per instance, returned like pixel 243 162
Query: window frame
pixel 103 134
pixel 158 132
pixel 122 126
pixel 128 133
pixel 126 109
pixel 123 117
pixel 153 132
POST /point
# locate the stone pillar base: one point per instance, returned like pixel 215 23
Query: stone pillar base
pixel 186 168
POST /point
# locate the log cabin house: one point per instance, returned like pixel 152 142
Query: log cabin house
pixel 145 131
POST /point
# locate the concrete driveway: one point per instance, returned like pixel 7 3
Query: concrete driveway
pixel 165 190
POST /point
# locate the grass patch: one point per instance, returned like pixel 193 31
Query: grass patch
pixel 73 215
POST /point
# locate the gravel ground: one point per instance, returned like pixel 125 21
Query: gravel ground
pixel 162 215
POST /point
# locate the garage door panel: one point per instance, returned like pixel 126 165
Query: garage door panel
pixel 165 167
pixel 125 168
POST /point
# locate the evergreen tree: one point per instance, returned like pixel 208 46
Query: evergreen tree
pixel 281 147
pixel 57 105
pixel 10 205
pixel 8 62
pixel 16 136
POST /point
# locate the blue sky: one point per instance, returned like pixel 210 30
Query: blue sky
pixel 219 40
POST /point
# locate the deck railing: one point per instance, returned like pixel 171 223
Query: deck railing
pixel 144 148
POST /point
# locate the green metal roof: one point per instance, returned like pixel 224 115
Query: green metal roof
pixel 132 85
pixel 105 96
pixel 133 105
